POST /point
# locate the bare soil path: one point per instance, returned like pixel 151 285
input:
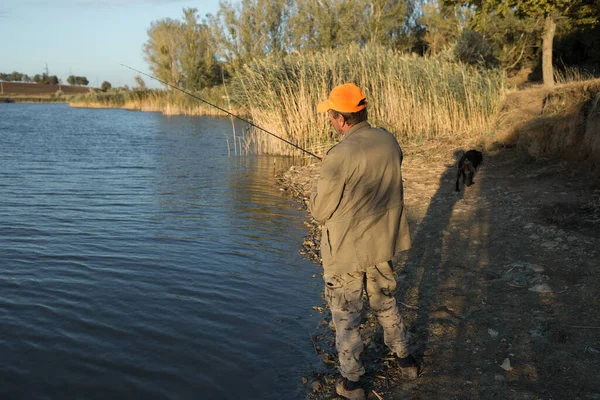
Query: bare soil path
pixel 500 290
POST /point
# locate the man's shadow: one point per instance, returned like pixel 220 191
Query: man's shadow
pixel 424 270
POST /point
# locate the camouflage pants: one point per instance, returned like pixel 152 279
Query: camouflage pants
pixel 344 294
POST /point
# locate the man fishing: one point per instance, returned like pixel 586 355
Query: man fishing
pixel 359 201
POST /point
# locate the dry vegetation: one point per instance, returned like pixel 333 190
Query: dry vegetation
pixel 168 102
pixel 417 98
pixel 560 123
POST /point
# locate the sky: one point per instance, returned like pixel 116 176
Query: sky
pixel 88 38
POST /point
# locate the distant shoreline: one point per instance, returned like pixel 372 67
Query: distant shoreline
pixel 33 99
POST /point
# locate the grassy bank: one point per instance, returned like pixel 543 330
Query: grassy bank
pixel 560 123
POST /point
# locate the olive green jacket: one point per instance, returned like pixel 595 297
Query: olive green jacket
pixel 359 201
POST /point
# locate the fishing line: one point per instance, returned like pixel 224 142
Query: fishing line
pixel 222 109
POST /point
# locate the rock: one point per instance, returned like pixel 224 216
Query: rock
pixel 304 380
pixel 492 333
pixel 541 288
pixel 536 268
pixel 506 365
pixel 316 386
pixel 328 359
pixel 499 378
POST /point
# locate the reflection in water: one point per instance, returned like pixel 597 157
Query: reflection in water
pixel 140 261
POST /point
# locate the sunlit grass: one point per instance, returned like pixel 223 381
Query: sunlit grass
pixel 413 97
pixel 169 102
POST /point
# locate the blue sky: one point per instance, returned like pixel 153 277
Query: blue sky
pixel 88 38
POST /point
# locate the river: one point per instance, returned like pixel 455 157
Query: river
pixel 139 260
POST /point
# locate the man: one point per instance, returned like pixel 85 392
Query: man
pixel 359 201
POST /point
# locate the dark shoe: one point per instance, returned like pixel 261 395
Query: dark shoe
pixel 349 389
pixel 408 367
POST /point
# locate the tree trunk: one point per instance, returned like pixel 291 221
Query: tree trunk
pixel 547 69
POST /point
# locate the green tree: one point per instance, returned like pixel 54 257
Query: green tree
pixel 389 22
pixel 197 58
pixel 163 48
pixel 71 80
pixel 81 80
pixel 551 11
pixel 15 76
pixel 106 86
pixel 250 29
pixel 52 80
pixel 443 24
pixel 182 53
pixel 319 24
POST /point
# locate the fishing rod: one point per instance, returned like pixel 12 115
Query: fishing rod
pixel 221 109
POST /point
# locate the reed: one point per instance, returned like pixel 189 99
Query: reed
pixel 168 102
pixel 415 97
pixel 567 74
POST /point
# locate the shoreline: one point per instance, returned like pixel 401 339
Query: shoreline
pixel 31 99
pixel 472 288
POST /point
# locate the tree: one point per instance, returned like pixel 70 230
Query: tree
pixel 71 80
pixel 197 57
pixel 443 24
pixel 388 22
pixel 250 29
pixel 578 11
pixel 162 50
pixel 182 53
pixel 106 86
pixel 81 80
pixel 15 76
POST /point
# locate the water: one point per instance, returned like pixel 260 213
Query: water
pixel 138 260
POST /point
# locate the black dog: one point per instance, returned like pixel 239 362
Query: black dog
pixel 467 165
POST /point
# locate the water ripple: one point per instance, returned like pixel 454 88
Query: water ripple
pixel 138 260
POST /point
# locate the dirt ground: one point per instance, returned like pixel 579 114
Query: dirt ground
pixel 500 289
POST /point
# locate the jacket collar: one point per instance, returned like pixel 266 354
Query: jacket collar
pixel 354 128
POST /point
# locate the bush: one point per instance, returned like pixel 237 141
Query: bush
pixel 471 48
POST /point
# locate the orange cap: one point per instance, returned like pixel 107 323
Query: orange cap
pixel 344 98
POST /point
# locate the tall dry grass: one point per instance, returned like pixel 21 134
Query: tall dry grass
pixel 567 74
pixel 168 102
pixel 414 97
